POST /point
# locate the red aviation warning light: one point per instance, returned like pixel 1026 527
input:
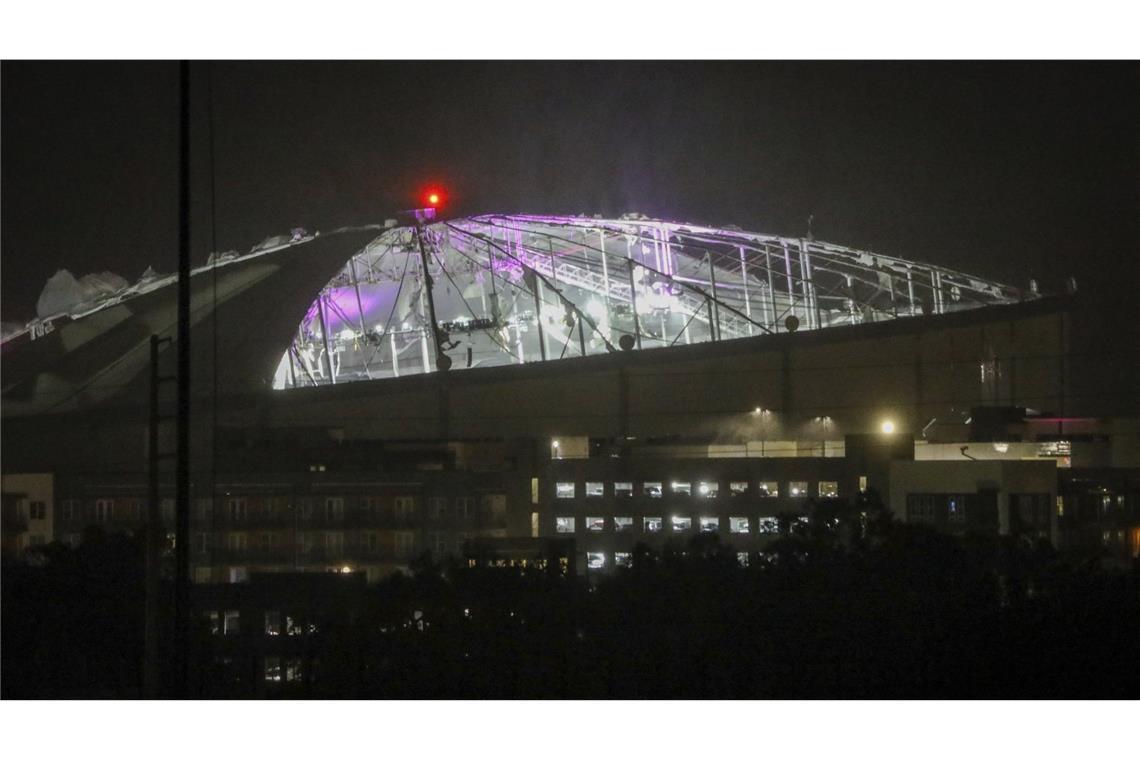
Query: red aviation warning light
pixel 431 200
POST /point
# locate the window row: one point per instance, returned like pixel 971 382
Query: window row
pixel 404 543
pixel 676 523
pixel 228 623
pixel 240 509
pixel 598 560
pixel 705 489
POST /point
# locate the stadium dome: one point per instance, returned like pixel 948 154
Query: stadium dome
pixel 499 289
pixel 513 289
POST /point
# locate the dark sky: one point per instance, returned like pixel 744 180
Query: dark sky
pixel 1009 170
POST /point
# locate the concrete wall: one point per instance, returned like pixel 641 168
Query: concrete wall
pixel 966 477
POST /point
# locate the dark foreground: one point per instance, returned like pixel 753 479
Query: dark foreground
pixel 897 612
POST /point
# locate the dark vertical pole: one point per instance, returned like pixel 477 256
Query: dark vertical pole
pixel 154 530
pixel 182 476
pixel 442 362
pixel 633 305
pixel 714 305
pixel 538 315
pixel 325 337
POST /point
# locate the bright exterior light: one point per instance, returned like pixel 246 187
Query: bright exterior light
pixel 346 569
pixel 433 199
pixel 554 444
pixel 887 427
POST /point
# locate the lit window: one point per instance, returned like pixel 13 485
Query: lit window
pixel 956 508
pixel 623 523
pixel 534 490
pixel 798 488
pixel 800 524
pixel 652 490
pixel 623 559
pixel 273 669
pixel 595 560
pixel 862 484
pixel 768 525
pixel 738 524
pixel 623 490
pixel 742 559
pixel 595 490
pixel 293 669
pixel 710 524
pixel 272 623
pixel 595 524
pixel 768 489
pixel 828 489
pixel 651 524
pixel 231 623
pixel 239 575
pixel 738 487
pixel 681 488
pixel 563 524
pixel 564 490
pixel 682 523
pixel 708 489
pixel 214 623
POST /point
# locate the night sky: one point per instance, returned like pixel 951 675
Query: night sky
pixel 1007 170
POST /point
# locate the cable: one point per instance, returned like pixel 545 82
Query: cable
pixel 466 305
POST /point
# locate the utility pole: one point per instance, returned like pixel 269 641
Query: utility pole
pixel 155 535
pixel 182 467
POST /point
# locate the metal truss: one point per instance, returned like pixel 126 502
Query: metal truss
pixel 521 288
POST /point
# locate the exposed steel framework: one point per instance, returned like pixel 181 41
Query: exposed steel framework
pixel 521 288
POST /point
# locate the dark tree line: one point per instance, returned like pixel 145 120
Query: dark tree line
pixel 855 607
